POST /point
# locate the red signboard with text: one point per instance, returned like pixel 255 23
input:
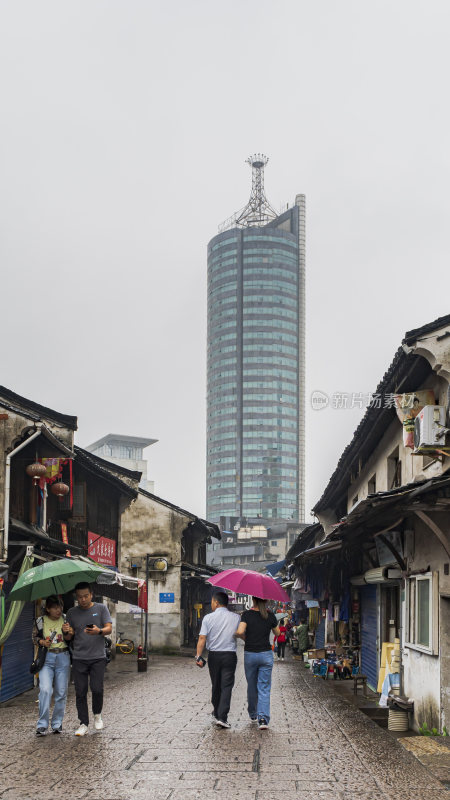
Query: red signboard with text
pixel 101 549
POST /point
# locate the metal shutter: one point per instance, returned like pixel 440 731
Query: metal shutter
pixel 18 654
pixel 320 633
pixel 369 627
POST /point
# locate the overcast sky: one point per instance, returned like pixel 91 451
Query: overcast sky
pixel 124 128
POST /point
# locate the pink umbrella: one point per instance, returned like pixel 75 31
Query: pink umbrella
pixel 244 581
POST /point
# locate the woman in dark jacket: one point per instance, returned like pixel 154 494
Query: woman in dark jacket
pixel 255 628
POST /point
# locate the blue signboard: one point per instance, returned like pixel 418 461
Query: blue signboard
pixel 166 597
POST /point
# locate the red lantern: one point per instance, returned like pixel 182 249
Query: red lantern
pixel 60 489
pixel 36 471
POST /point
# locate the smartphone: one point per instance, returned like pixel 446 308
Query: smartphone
pixel 201 660
pixel 90 626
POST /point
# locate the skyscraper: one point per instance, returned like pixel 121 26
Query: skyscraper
pixel 256 361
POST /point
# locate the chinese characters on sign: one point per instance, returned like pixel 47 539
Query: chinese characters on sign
pixel 166 597
pixel 64 536
pixel 406 405
pixel 101 549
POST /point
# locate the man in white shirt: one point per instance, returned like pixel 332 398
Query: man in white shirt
pixel 218 635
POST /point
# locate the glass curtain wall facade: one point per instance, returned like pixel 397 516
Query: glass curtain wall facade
pixel 255 425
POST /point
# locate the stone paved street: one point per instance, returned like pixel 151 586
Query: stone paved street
pixel 158 743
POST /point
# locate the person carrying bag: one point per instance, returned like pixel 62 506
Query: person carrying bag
pixel 52 663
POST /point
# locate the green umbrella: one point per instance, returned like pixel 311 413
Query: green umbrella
pixel 55 577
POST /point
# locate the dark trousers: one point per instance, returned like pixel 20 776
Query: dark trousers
pixel 222 667
pixel 84 672
pixel 281 648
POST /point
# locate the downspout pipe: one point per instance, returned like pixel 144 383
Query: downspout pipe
pixel 5 537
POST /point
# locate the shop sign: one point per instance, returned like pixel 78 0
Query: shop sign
pixel 101 549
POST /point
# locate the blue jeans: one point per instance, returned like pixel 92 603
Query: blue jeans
pixel 258 671
pixel 53 675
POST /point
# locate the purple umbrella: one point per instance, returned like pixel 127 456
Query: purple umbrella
pixel 244 581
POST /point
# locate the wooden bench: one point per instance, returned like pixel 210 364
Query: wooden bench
pixel 359 680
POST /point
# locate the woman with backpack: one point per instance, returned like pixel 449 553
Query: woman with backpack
pixel 50 631
pixel 255 628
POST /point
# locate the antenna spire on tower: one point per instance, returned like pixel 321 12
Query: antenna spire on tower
pixel 258 210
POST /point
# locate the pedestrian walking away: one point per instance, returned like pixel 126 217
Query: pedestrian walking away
pixel 281 640
pixel 52 632
pixel 218 634
pixel 254 629
pixel 90 622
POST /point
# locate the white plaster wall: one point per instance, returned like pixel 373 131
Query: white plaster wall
pixel 170 583
pixel 421 680
pixel 422 672
pixel 148 526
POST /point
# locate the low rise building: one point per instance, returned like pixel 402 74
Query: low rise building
pixel 376 564
pixel 156 530
pixel 58 499
pixel 254 544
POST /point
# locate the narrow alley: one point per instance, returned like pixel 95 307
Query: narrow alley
pixel 159 743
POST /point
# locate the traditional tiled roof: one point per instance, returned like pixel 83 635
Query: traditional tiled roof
pixel 212 528
pixel 103 469
pixel 29 408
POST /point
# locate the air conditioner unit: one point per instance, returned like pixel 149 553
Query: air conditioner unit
pixel 358 580
pixel 377 575
pixel 429 428
pixel 394 574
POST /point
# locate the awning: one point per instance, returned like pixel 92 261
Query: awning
pixel 22 533
pixel 118 586
pixel 198 571
pixel 304 540
pixel 272 569
pixel 322 548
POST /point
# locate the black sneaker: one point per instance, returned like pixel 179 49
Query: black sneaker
pixel 262 724
pixel 40 731
pixel 56 730
pixel 222 723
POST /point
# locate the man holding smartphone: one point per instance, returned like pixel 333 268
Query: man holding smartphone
pixel 90 622
pixel 218 635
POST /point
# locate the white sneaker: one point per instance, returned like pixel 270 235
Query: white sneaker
pixel 98 722
pixel 82 730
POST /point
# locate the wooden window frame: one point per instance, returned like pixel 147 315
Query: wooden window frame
pixel 412 613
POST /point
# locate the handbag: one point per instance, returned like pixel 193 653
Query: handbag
pixel 39 661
